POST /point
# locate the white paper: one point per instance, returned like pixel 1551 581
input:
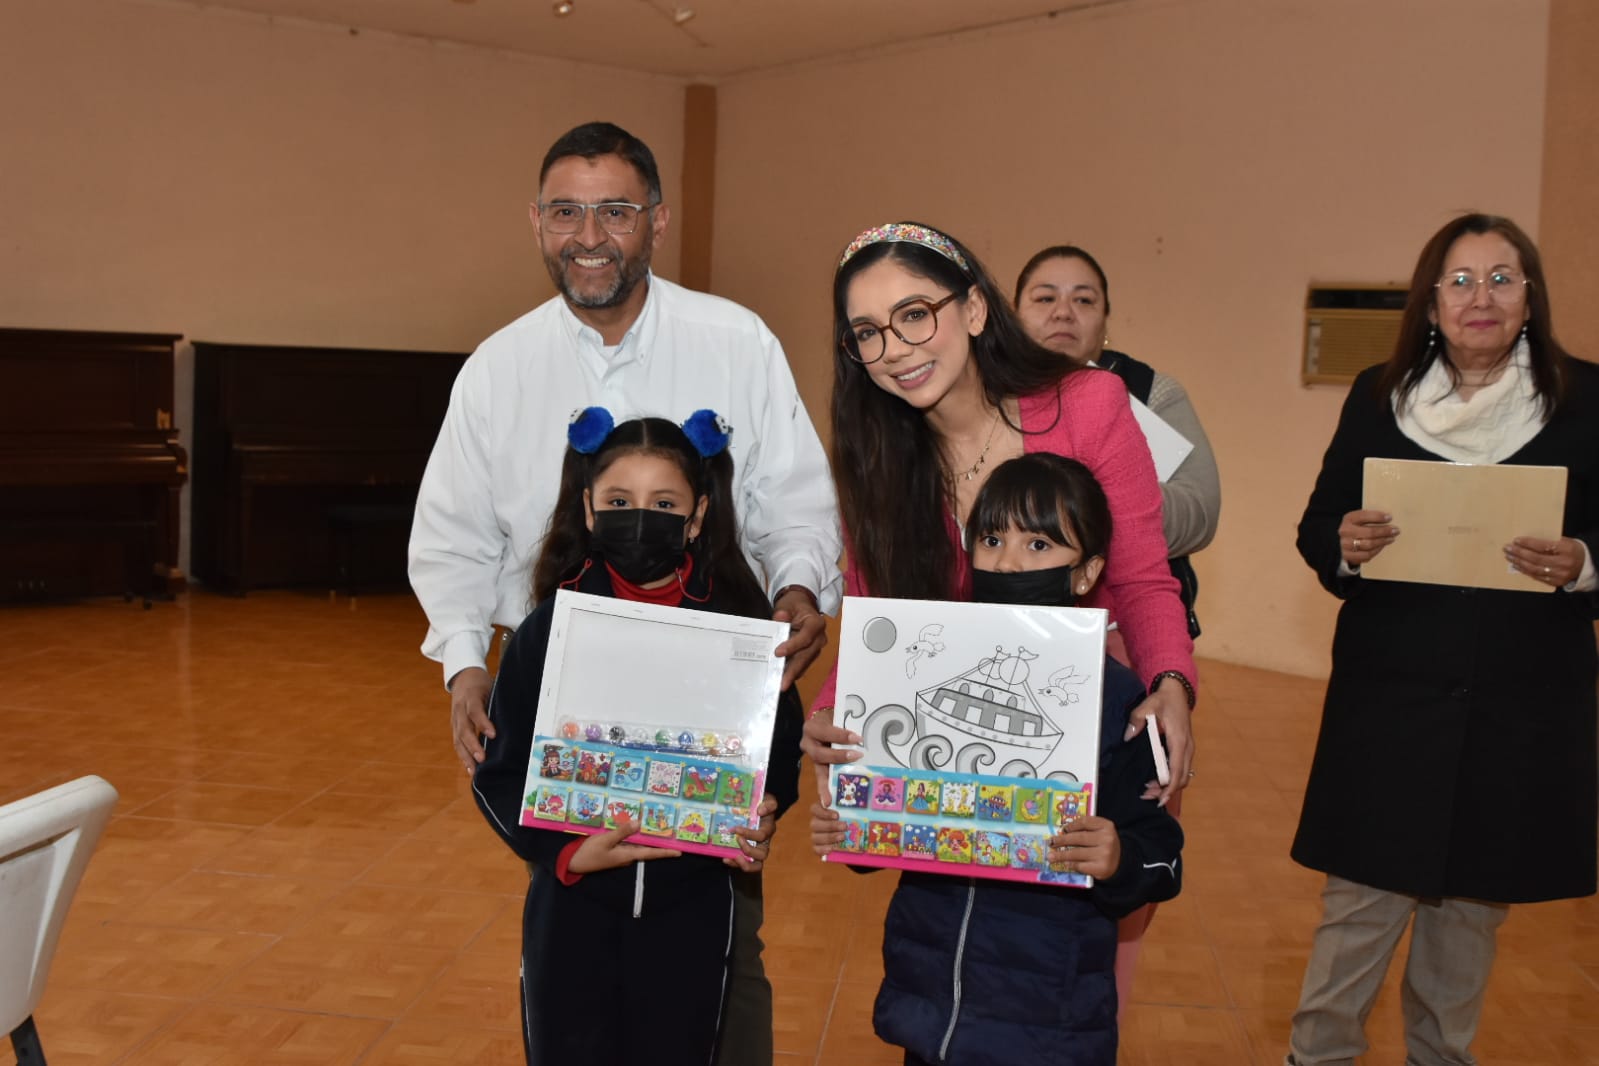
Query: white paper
pixel 1041 670
pixel 1168 446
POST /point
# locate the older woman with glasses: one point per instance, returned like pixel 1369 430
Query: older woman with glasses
pixel 1455 770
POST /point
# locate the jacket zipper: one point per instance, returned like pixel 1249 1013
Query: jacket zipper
pixel 960 953
pixel 638 890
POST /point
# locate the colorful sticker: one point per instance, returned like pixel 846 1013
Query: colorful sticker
pixel 1064 806
pixel 617 810
pixel 588 808
pixel 954 844
pixel 627 773
pixel 919 842
pixel 659 818
pixel 699 781
pixel 735 788
pixel 990 848
pixel 556 762
pixel 695 826
pixel 1027 851
pixel 882 838
pixel 959 799
pixel 852 790
pixel 664 778
pixel 994 802
pixel 1032 805
pixel 888 794
pixel 593 767
pixel 722 826
pixel 854 837
pixel 921 795
pixel 1050 876
pixel 551 804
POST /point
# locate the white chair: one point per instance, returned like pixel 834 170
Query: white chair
pixel 45 843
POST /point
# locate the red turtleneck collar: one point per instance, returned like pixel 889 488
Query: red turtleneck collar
pixel 668 595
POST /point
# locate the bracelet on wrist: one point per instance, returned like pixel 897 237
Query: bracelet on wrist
pixel 786 589
pixel 1188 686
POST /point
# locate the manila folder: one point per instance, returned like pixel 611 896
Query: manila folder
pixel 1454 520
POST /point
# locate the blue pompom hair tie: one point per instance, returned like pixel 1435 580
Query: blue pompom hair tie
pixel 708 432
pixel 588 428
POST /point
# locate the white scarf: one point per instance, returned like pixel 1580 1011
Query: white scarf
pixel 1488 427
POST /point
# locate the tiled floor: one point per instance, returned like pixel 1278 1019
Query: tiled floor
pixel 296 874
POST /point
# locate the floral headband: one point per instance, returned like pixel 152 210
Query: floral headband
pixel 908 233
pixel 706 430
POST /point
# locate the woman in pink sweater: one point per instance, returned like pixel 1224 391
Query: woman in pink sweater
pixel 935 383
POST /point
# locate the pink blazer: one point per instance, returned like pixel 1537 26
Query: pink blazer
pixel 1095 426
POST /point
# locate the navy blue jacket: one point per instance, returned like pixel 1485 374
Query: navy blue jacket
pixel 979 972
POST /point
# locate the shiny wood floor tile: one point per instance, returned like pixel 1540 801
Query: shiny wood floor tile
pixel 431 1044
pixel 286 885
pixel 93 1026
pixel 220 1034
pixel 344 976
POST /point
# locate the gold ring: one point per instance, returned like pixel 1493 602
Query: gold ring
pixel 1357 545
pixel 1546 571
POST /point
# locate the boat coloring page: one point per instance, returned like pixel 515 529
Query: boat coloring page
pixel 973 688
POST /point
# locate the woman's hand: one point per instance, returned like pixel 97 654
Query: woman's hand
pixel 818 744
pixel 756 844
pixel 1168 705
pixel 1089 846
pixel 1553 562
pixel 1362 534
pixel 605 851
pixel 827 828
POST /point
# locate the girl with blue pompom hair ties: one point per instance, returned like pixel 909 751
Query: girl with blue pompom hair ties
pixel 612 930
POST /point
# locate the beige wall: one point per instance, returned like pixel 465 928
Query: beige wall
pixel 1570 243
pixel 171 168
pixel 1217 155
pixel 175 168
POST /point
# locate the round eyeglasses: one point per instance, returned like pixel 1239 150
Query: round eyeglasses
pixel 1460 288
pixel 914 322
pixel 616 217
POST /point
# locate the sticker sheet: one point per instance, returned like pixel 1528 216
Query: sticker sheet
pixel 677 742
pixel 980 727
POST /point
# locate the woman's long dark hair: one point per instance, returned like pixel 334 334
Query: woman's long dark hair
pixel 886 459
pixel 1042 492
pixel 716 550
pixel 1413 355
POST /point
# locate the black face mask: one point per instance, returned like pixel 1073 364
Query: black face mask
pixel 1027 588
pixel 641 544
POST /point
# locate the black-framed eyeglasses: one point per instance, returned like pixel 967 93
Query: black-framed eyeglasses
pixel 616 217
pixel 914 322
pixel 1505 287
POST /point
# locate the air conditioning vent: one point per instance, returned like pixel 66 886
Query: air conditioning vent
pixel 1348 327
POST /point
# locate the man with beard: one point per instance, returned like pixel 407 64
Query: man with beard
pixel 618 337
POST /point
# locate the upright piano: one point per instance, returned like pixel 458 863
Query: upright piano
pixel 90 467
pixel 296 449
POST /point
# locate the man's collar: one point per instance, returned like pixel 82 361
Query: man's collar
pixel 641 331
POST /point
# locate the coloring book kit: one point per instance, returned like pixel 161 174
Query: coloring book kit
pixel 980 727
pixel 660 715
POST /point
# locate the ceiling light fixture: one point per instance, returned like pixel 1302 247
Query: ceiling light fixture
pixel 562 7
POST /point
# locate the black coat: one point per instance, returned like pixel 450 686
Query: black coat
pixel 643 948
pixel 987 973
pixel 1457 746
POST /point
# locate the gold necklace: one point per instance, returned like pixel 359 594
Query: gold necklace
pixel 971 472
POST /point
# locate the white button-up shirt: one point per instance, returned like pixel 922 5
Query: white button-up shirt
pixel 491 482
